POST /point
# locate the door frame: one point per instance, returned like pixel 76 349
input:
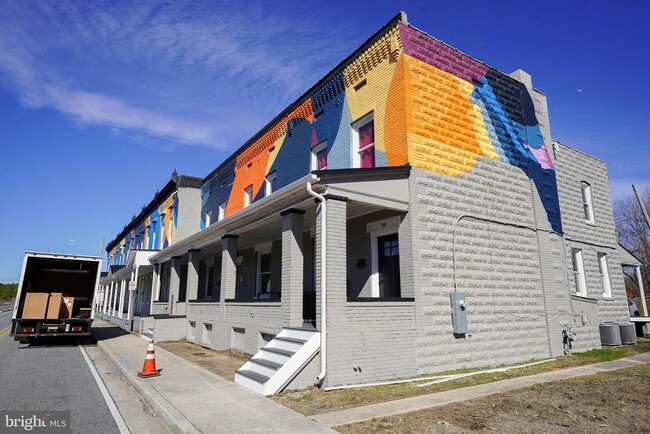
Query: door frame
pixel 376 229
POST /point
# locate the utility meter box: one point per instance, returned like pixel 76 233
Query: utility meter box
pixel 459 312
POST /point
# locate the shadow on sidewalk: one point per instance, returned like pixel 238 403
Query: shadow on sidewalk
pixel 103 332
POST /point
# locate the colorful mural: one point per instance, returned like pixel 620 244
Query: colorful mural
pixel 154 232
pixel 432 107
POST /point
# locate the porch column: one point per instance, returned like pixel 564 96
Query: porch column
pixel 228 268
pixel 292 265
pixel 193 274
pixel 641 291
pixel 155 286
pixel 132 293
pixel 121 303
pixel 107 298
pixel 174 283
pixel 336 274
pixel 114 300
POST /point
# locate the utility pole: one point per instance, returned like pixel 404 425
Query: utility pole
pixel 643 210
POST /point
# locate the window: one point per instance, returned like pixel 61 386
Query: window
pixel 209 281
pixel 319 156
pixel 222 211
pixel 165 280
pixel 587 204
pixel 363 142
pixel 263 274
pixel 270 181
pixel 604 274
pixel 208 217
pixel 248 195
pixel 579 272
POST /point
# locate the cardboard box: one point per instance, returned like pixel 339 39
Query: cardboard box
pixel 68 305
pixel 35 305
pixel 54 306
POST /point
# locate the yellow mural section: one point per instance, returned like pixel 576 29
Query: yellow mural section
pixel 446 132
pixel 376 66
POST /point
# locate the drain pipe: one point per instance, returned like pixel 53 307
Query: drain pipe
pixel 323 282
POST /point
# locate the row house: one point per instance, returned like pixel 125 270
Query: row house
pixel 408 214
pixel 168 218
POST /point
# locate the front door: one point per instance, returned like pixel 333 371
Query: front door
pixel 388 261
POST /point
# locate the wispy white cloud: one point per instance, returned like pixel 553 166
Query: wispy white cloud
pixel 189 73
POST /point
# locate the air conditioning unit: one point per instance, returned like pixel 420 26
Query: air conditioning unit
pixel 628 333
pixel 610 335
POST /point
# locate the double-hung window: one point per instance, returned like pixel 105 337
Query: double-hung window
pixel 263 274
pixel 363 138
pixel 222 211
pixel 269 184
pixel 579 272
pixel 604 275
pixel 319 156
pixel 587 203
pixel 209 282
pixel 248 195
pixel 208 218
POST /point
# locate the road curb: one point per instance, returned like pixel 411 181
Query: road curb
pixel 174 420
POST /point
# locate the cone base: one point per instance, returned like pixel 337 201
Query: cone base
pixel 153 374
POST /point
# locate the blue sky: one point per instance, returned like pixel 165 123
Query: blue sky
pixel 101 101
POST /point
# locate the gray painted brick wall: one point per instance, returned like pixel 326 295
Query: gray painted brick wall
pixel 573 167
pixel 497 265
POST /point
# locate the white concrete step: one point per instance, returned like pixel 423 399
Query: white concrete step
pixel 274 366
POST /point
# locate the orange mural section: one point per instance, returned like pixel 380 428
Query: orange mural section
pixel 442 123
pixel 252 163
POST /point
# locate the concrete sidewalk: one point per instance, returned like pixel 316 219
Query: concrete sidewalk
pixel 407 405
pixel 189 399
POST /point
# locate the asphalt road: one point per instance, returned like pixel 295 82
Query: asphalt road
pixel 51 377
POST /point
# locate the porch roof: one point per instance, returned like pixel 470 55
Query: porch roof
pixel 627 258
pixel 287 197
pixel 379 188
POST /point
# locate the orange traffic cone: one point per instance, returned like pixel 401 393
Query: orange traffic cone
pixel 149 368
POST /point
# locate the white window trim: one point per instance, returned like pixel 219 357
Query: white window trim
pixel 576 257
pixel 222 211
pixel 268 183
pixel 378 229
pixel 604 275
pixel 586 187
pixel 315 150
pixel 208 218
pixel 258 267
pixel 248 198
pixel 356 159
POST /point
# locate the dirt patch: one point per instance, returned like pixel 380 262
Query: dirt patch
pixel 612 402
pixel 223 363
pixel 315 401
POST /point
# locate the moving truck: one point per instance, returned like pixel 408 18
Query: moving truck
pixel 55 295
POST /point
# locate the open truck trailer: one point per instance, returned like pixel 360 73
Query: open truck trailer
pixel 55 295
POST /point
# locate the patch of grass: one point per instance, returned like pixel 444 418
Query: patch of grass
pixel 315 401
pixel 612 402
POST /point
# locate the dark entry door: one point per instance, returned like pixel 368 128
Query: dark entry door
pixel 388 249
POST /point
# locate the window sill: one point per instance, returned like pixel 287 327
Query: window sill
pixel 381 299
pixel 205 300
pixel 592 224
pixel 584 298
pixel 161 302
pixel 609 299
pixel 254 300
